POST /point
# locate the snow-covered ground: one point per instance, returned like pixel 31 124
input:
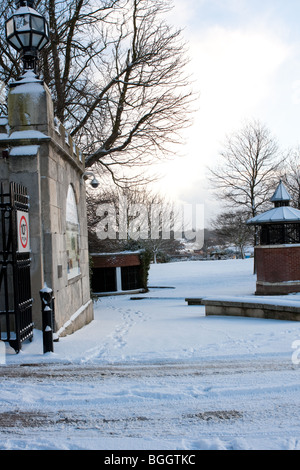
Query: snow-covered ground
pixel 157 374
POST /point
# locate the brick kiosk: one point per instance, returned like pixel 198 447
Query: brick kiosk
pixel 278 252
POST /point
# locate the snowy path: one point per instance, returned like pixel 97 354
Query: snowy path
pixel 224 405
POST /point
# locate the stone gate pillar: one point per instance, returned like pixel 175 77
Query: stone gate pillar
pixel 37 151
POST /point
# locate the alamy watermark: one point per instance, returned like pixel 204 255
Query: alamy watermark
pixel 124 221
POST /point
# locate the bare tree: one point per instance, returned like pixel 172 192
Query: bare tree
pixel 131 219
pixel 250 165
pixel 291 176
pixel 116 70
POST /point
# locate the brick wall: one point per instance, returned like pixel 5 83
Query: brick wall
pixel 278 263
pixel 278 269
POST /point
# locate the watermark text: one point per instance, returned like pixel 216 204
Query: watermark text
pixel 124 221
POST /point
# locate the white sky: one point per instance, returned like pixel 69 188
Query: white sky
pixel 245 61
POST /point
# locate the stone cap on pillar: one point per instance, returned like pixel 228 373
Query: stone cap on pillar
pixel 30 105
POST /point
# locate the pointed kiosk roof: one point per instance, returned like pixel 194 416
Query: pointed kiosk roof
pixel 281 194
pixel 279 215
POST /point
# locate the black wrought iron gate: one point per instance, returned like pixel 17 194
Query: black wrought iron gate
pixel 15 287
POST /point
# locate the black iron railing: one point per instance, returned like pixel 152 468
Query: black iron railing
pixel 16 323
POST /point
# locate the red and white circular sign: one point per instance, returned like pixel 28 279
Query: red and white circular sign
pixel 23 231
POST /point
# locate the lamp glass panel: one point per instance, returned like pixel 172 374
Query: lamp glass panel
pixel 25 39
pixel 14 40
pixel 36 39
pixel 43 43
pixel 22 23
pixel 10 27
pixel 37 23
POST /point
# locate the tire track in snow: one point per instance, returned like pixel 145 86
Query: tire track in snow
pixel 193 405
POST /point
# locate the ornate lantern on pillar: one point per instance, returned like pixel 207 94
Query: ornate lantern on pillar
pixel 27 31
